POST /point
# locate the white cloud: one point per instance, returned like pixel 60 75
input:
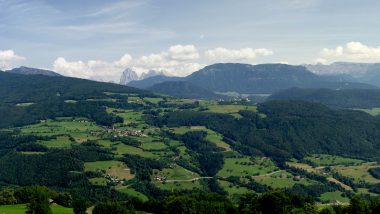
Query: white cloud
pixel 8 58
pixel 123 61
pixel 283 62
pixel 92 69
pixel 228 55
pixel 183 52
pixel 352 52
pixel 177 60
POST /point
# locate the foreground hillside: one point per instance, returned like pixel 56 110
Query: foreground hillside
pixel 104 142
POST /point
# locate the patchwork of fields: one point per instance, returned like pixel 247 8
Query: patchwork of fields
pixel 137 137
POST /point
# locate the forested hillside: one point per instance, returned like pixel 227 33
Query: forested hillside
pixel 92 142
pixel 290 129
pixel 27 99
pixel 348 98
pixel 16 88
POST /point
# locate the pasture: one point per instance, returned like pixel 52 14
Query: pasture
pixel 24 104
pixel 330 197
pixel 21 209
pixel 78 128
pixel 176 173
pixel 358 173
pixel 154 100
pixel 282 179
pixel 115 169
pixel 132 192
pixel 330 160
pixel 244 166
pixel 372 111
pixel 232 189
pixel 61 142
pixel 171 186
pixel 98 181
pixel 230 109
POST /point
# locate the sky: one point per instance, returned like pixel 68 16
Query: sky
pixel 98 39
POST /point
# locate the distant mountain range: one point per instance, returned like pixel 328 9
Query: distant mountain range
pixel 250 79
pixel 246 80
pixel 358 72
pixel 130 75
pixel 262 79
pixel 33 71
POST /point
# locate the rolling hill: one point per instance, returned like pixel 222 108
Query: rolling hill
pixel 33 71
pixel 35 88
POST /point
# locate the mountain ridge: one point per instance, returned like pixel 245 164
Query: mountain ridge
pixel 33 71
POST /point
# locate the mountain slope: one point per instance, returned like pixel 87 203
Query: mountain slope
pixel 183 90
pixel 27 99
pixel 349 98
pixel 33 71
pixel 150 81
pixel 22 88
pixel 265 78
pixel 258 79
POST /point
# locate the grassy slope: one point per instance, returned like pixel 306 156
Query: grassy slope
pixel 21 209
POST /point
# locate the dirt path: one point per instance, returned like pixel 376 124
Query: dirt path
pixel 188 180
pixel 331 179
pixel 268 174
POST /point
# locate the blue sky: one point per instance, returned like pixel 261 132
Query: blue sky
pixel 97 38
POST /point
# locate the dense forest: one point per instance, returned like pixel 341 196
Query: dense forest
pixel 345 98
pixel 37 198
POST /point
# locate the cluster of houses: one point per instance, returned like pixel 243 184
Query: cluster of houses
pixel 159 178
pixel 112 179
pixel 125 133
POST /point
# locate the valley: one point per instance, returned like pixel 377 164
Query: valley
pixel 189 107
pixel 180 169
pixel 122 143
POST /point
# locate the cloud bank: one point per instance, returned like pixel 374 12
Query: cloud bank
pixel 177 60
pixel 8 58
pixel 350 52
pixel 241 55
